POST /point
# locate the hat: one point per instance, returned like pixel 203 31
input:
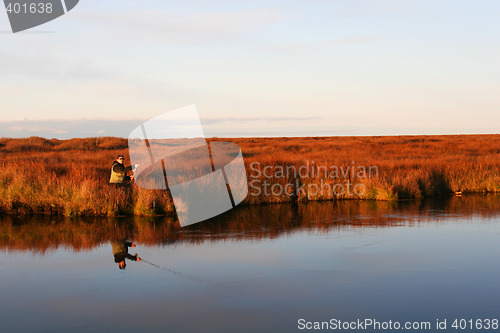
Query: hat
pixel 120 156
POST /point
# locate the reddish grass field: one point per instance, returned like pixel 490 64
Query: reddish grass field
pixel 70 177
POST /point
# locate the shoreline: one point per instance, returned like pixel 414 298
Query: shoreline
pixel 13 213
pixel 42 233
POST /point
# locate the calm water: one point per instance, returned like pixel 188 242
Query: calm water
pixel 257 269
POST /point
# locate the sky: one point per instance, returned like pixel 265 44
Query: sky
pixel 256 68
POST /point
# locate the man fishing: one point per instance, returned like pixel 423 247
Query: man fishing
pixel 120 252
pixel 119 172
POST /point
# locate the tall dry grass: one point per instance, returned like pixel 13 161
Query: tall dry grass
pixel 70 177
pixel 408 166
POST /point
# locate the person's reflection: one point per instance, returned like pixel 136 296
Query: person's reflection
pixel 120 252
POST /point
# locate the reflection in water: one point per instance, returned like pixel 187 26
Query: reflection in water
pixel 41 234
pixel 254 269
pixel 120 253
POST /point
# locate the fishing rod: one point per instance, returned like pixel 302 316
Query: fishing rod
pixel 194 278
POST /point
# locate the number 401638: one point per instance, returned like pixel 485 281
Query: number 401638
pixel 32 8
pixel 478 324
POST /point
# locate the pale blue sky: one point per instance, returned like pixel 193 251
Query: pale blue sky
pixel 257 68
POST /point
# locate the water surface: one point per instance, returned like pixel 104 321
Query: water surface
pixel 254 269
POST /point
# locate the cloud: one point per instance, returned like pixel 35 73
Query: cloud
pixel 193 27
pixel 81 128
pixel 306 47
pixel 240 120
pixel 350 40
pixel 54 68
pixel 220 127
pixel 67 129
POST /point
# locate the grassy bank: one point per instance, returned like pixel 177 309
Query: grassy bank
pixel 70 177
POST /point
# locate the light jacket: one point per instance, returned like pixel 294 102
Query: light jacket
pixel 119 173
